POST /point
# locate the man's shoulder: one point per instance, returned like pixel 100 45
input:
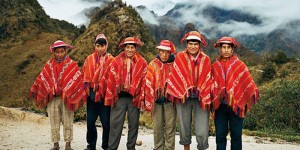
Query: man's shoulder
pixel 180 54
pixel 110 56
pixel 155 61
pixel 89 57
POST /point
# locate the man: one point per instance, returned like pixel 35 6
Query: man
pixel 164 114
pixel 189 87
pixel 59 87
pixel 98 78
pixel 234 93
pixel 132 69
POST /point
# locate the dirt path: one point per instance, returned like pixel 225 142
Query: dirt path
pixel 25 130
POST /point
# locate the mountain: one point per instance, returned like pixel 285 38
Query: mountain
pixel 215 22
pixel 26 33
pixel 117 21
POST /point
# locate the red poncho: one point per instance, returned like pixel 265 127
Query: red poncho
pixel 189 76
pixel 68 83
pixel 155 81
pixel 234 85
pixel 105 80
pixel 131 75
pixel 89 68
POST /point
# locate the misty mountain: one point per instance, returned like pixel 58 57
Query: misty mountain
pixel 117 21
pixel 219 15
pixel 215 22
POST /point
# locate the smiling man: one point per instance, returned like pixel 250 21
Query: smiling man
pixel 132 68
pixel 60 87
pixel 189 87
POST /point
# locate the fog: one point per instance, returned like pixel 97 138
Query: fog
pixel 273 14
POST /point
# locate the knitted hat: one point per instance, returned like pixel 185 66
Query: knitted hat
pixel 59 43
pixel 228 40
pixel 102 36
pixel 130 40
pixel 194 35
pixel 167 45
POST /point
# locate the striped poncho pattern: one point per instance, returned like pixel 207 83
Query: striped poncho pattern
pixel 89 68
pixel 105 80
pixel 155 81
pixel 132 83
pixel 234 86
pixel 70 79
pixel 188 75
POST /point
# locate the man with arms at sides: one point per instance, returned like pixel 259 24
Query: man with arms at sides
pixel 100 83
pixel 163 111
pixel 132 68
pixel 189 86
pixel 234 93
pixel 60 87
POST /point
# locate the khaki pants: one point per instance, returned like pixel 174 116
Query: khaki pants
pixel 59 113
pixel 164 122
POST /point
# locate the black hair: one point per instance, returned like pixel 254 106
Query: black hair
pixel 193 40
pixel 230 44
pixel 101 41
pixel 135 45
pixel 59 47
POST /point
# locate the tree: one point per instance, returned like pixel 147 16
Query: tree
pixel 82 29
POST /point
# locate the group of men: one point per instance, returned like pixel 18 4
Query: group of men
pixel 182 85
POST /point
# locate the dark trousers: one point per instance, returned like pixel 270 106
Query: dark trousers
pixel 93 111
pixel 118 113
pixel 226 120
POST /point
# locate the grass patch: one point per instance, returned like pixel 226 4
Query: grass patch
pixel 274 137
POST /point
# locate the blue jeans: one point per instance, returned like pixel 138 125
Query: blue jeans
pixel 93 111
pixel 226 120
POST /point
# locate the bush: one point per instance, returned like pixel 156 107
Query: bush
pixel 279 58
pixel 269 72
pixel 278 109
pixel 22 65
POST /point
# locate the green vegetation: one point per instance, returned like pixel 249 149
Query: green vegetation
pixel 273 137
pixel 277 111
pixel 117 21
pixel 268 73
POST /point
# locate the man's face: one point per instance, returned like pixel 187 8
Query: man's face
pixel 60 53
pixel 164 55
pixel 226 50
pixel 193 47
pixel 100 48
pixel 130 50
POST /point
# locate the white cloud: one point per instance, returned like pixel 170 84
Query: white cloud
pixel 147 16
pixel 273 13
pixel 160 7
pixel 69 10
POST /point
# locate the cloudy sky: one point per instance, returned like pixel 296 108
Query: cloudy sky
pixel 274 13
